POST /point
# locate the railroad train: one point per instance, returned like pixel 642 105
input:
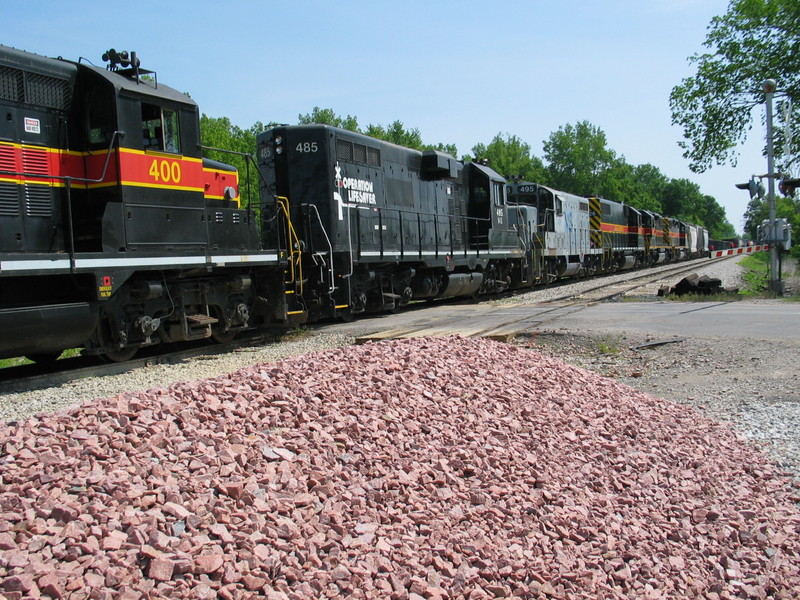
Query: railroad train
pixel 116 233
pixel 382 225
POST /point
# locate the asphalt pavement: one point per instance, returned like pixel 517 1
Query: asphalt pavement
pixel 763 319
pixel 758 320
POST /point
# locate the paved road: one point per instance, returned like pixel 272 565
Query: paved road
pixel 765 320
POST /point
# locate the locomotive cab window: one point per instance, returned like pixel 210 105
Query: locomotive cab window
pixel 99 119
pixel 160 129
pixel 497 193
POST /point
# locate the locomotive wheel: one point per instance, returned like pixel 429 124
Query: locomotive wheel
pixel 223 337
pixel 45 358
pixel 120 355
pixel 346 316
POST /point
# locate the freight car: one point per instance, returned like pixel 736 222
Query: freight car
pixel 115 233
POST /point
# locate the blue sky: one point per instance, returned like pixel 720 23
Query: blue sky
pixel 460 72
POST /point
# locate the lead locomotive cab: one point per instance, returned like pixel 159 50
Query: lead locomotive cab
pixel 116 233
pixel 150 196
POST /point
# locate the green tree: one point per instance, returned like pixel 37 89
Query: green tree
pixel 754 40
pixel 681 198
pixel 578 158
pixel 649 187
pixel 618 182
pixel 327 116
pixel 396 133
pixel 512 158
pixel 715 219
pixel 222 134
pixel 446 148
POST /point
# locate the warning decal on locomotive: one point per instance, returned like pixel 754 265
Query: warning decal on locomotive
pixel 105 288
pixel 32 125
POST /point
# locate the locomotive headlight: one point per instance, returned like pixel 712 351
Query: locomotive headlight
pixel 279 150
pixel 278 140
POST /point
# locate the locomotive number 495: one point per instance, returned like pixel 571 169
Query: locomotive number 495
pixel 165 171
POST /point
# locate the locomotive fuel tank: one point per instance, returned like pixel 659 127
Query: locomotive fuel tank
pixel 40 331
pixel 462 284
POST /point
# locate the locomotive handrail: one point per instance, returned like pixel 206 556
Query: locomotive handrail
pixel 68 179
pixel 292 239
pixel 330 246
pixel 247 159
pixel 418 216
pixel 293 243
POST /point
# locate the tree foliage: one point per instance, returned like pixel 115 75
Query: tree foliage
pixel 785 208
pixel 396 133
pixel 512 158
pixel 578 158
pixel 754 40
pixel 221 133
pixel 327 116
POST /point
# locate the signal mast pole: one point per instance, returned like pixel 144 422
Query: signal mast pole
pixel 775 284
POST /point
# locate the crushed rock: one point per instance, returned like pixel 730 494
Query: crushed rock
pixel 426 468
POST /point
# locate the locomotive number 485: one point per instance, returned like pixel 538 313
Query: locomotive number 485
pixel 165 171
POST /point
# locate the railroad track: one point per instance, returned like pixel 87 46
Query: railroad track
pixel 505 320
pixel 606 291
pixel 39 376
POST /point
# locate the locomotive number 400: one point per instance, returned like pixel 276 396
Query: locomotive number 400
pixel 165 171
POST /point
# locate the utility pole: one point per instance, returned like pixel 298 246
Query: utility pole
pixel 775 283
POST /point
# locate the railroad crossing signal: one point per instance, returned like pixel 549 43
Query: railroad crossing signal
pixel 787 186
pixel 756 188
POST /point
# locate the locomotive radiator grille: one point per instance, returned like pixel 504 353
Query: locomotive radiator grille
pixel 38 201
pixel 42 90
pixel 34 161
pixel 9 200
pixel 11 87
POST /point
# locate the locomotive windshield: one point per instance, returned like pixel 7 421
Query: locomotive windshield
pixel 160 129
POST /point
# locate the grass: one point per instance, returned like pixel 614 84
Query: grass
pixel 21 360
pixel 756 274
pixel 608 345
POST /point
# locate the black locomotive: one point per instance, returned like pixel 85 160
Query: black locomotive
pixel 382 225
pixel 115 232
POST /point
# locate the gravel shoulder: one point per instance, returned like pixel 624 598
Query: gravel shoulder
pixel 751 384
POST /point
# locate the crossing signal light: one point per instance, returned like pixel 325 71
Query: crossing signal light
pixel 787 186
pixel 756 188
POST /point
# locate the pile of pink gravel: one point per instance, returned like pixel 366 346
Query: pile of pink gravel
pixel 425 468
